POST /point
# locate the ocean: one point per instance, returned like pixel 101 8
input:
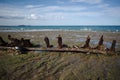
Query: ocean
pixel 51 28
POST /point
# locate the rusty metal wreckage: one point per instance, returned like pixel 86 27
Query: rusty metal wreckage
pixel 26 45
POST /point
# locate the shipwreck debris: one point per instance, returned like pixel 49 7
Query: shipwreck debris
pixel 86 45
pixel 59 41
pixel 21 43
pixel 46 39
pixel 100 45
pixel 112 48
pixel 2 42
pixel 24 45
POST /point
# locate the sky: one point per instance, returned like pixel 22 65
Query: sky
pixel 59 12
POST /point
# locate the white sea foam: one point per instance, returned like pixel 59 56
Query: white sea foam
pixel 86 29
pixel 33 30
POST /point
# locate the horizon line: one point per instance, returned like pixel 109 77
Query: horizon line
pixel 61 25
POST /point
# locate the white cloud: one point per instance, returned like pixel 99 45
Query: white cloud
pixel 29 6
pixel 32 6
pixel 55 8
pixel 103 5
pixel 12 17
pixel 91 14
pixel 88 1
pixel 46 16
pixel 51 16
pixel 33 16
pixel 112 11
pixel 65 8
pixel 38 12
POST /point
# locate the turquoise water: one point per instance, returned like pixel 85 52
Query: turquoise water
pixel 82 28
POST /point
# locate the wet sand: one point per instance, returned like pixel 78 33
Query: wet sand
pixel 69 37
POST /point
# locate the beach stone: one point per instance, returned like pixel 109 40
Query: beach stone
pixel 13 51
pixel 102 48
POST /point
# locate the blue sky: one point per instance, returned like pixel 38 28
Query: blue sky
pixel 59 12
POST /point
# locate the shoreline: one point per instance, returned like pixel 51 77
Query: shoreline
pixel 45 30
pixel 37 30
